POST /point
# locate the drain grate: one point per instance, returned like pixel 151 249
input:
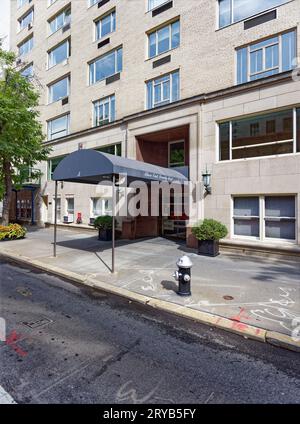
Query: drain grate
pixel 40 323
pixel 228 297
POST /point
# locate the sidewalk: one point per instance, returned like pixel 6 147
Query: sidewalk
pixel 245 291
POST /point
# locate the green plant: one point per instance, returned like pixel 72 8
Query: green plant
pixel 12 232
pixel 209 229
pixel 21 133
pixel 103 222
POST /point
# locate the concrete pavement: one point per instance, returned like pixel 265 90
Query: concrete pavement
pixel 78 345
pixel 257 292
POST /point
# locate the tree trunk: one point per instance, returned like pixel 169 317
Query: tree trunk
pixel 8 192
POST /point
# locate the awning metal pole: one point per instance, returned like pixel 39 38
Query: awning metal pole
pixel 113 223
pixel 55 219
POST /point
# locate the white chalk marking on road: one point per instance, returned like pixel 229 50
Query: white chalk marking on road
pixel 5 398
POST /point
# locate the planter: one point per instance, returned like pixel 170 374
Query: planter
pixel 208 248
pixel 105 235
pixel 12 239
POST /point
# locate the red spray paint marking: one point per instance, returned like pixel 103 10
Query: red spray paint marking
pixel 11 341
pixel 241 315
pixel 239 326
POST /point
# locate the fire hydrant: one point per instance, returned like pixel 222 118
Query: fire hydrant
pixel 183 276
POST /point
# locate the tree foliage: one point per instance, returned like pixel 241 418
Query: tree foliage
pixel 21 135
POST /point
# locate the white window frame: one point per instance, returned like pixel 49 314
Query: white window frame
pixel 156 39
pixel 92 3
pixel 49 124
pixel 27 67
pixel 66 20
pixel 21 20
pixel 150 8
pixel 50 88
pixel 262 220
pixel 265 69
pixel 53 49
pixel 21 3
pixel 66 205
pixel 169 153
pixel 30 44
pixel 92 80
pixel 294 139
pixel 154 84
pixel 232 21
pixel 106 100
pixel 99 21
pixel 50 2
pixel 103 210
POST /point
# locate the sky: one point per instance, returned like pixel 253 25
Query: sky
pixel 4 21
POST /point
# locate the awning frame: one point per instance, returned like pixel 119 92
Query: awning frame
pixel 93 167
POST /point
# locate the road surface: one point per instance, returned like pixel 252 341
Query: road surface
pixel 69 344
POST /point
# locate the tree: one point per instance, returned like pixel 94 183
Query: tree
pixel 21 135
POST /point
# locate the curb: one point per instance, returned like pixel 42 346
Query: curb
pixel 242 329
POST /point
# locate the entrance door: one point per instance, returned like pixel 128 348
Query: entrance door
pixel 174 220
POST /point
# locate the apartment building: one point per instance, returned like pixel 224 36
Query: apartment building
pixel 204 84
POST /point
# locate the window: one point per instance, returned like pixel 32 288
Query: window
pixel 59 90
pixel 104 111
pixel 265 217
pixel 101 207
pixel 164 39
pixel 268 57
pixel 58 208
pixel 152 4
pixel 112 149
pixel 163 90
pixel 59 54
pixel 52 165
pixel 106 66
pixel 26 46
pixel 28 72
pixel 176 154
pixel 298 130
pixel 70 205
pixel 231 11
pixel 26 19
pixel 58 127
pixel 22 3
pixel 105 25
pixel 246 216
pixel 51 2
pixel 60 20
pixel 92 2
pixel 262 135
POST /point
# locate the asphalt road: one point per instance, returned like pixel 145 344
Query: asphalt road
pixel 67 344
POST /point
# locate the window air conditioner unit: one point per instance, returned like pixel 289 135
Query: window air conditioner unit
pixel 68 219
pixel 29 26
pixel 65 100
pixel 18 61
pixel 66 27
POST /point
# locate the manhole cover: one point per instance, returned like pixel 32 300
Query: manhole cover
pixel 228 297
pixel 23 291
pixel 40 323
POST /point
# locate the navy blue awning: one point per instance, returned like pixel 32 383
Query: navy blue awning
pixel 92 167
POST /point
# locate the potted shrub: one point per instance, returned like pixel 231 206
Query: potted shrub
pixel 209 232
pixel 12 232
pixel 104 225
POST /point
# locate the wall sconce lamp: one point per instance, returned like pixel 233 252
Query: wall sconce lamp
pixel 206 178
